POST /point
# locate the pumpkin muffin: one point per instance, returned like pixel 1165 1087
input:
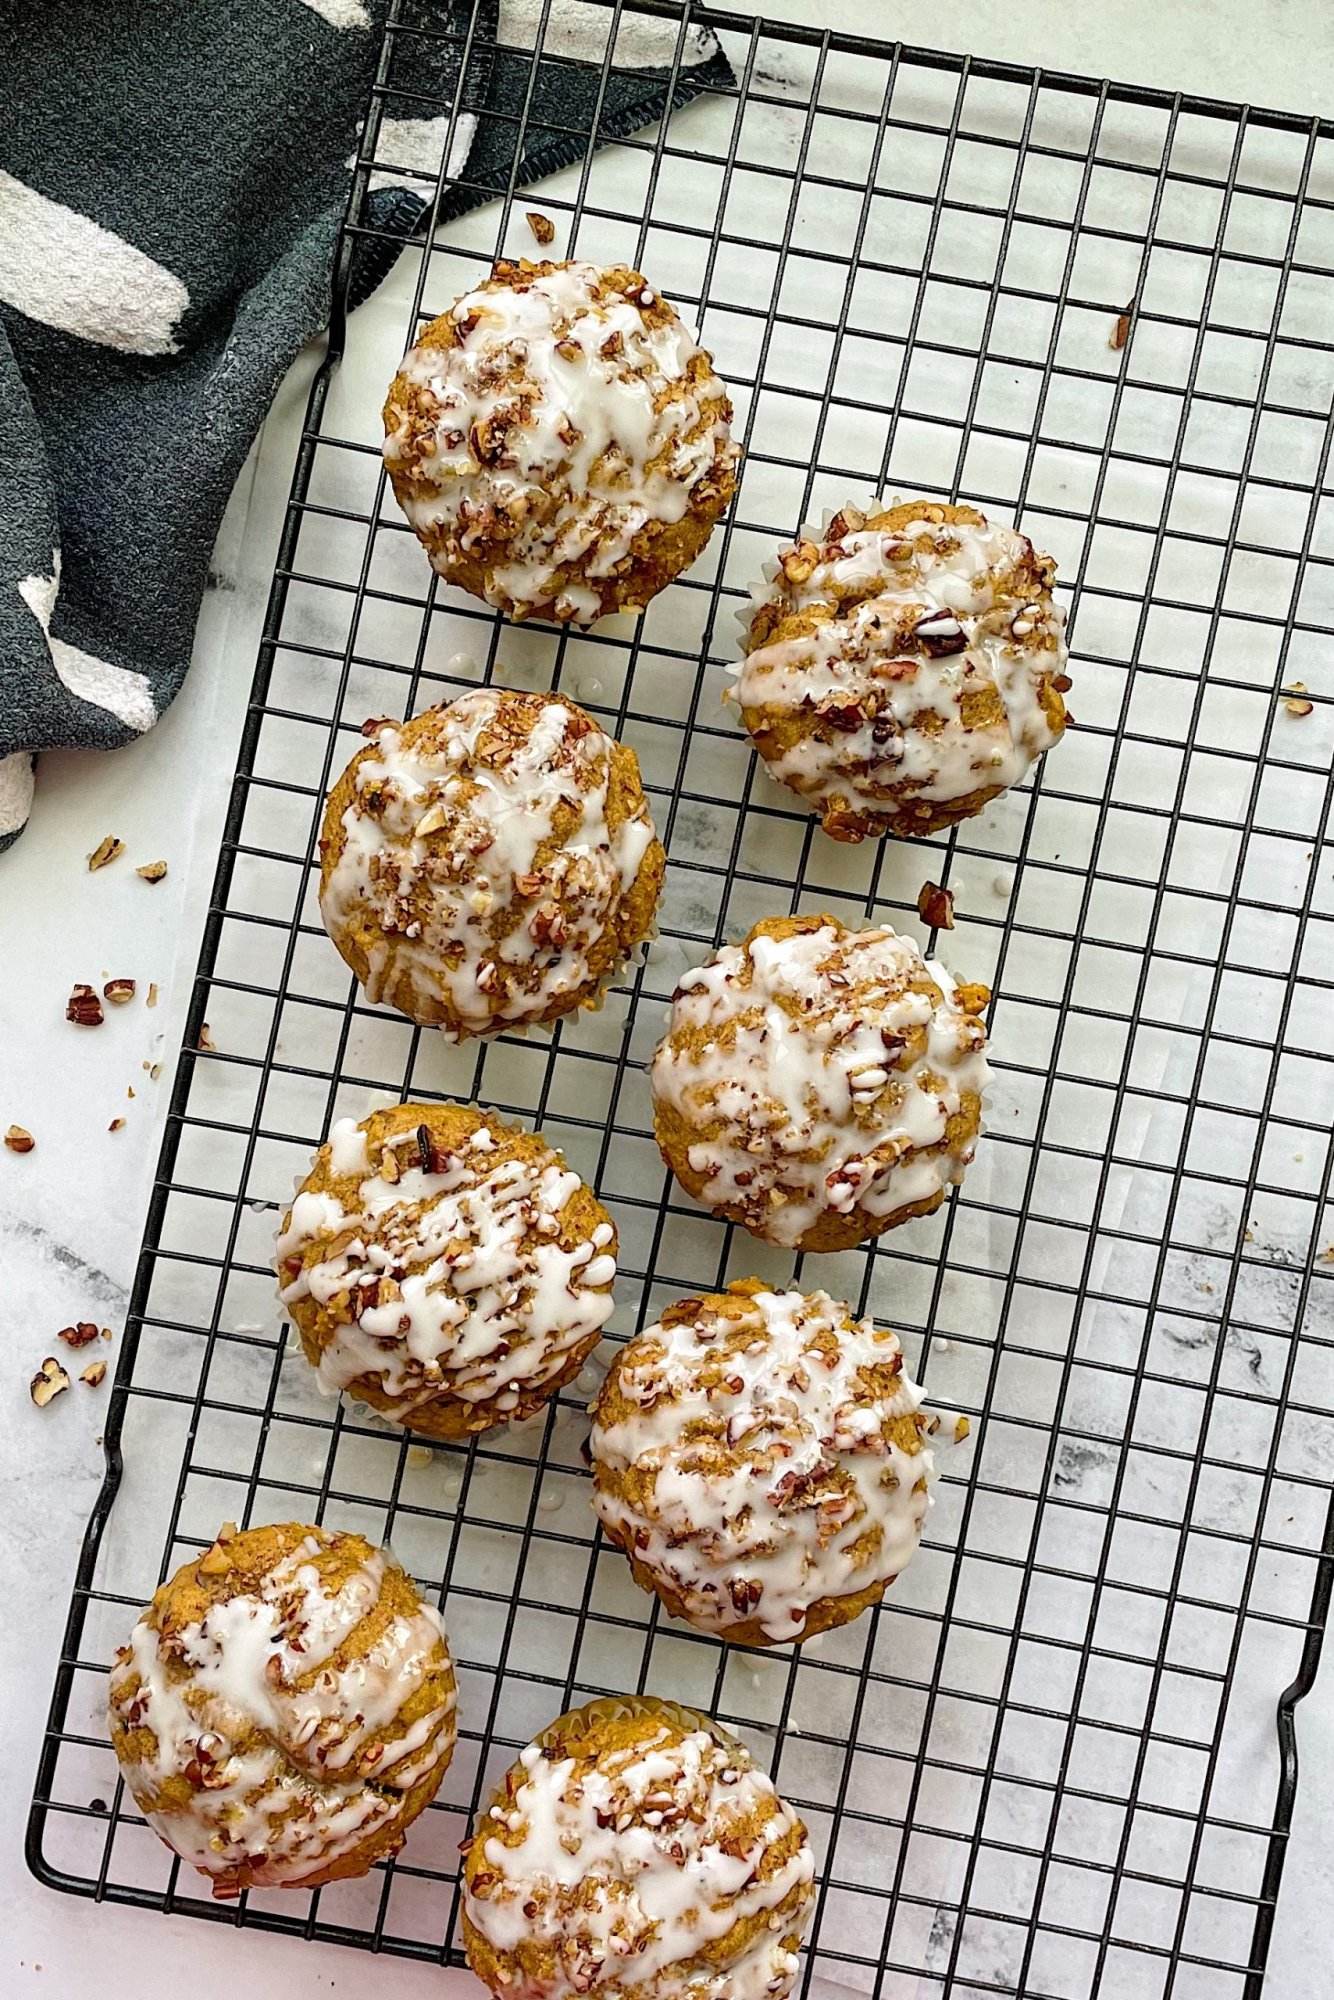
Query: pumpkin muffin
pixel 284 1708
pixel 635 1850
pixel 761 1458
pixel 445 1267
pixel 905 669
pixel 559 441
pixel 489 864
pixel 820 1085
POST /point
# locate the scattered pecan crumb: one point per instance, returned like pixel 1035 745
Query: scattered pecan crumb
pixel 152 993
pixel 118 991
pixel 154 1071
pixel 106 1333
pixel 152 871
pixel 106 850
pixel 129 1090
pixel 94 1374
pixel 543 228
pixel 1120 333
pixel 1298 707
pixel 115 1125
pixel 84 1007
pixel 19 1141
pixel 79 1334
pixel 935 906
pixel 206 1041
pixel 49 1382
pixel 962 1428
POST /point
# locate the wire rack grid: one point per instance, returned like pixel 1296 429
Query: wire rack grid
pixel 1049 1764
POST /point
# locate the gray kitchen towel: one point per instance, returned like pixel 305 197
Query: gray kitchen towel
pixel 172 178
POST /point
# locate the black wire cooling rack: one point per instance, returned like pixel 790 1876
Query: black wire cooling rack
pixel 1049 1765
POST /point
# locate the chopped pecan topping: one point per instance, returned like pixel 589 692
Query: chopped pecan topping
pixel 152 871
pixel 543 228
pixel 426 1150
pixel 109 849
pixel 118 991
pixel 798 564
pixel 940 635
pixel 19 1141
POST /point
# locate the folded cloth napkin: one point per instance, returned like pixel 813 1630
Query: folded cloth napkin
pixel 172 178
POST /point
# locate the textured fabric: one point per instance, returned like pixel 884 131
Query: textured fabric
pixel 172 178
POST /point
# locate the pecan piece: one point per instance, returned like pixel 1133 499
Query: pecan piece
pixel 118 991
pixel 935 906
pixel 108 849
pixel 19 1141
pixel 84 1007
pixel 78 1335
pixel 49 1382
pixel 798 564
pixel 543 228
pixel 939 635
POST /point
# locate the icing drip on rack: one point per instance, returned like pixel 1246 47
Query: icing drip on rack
pixel 776 1458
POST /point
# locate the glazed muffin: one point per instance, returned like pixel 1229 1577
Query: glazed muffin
pixel 819 1085
pixel 906 669
pixel 559 441
pixel 284 1708
pixel 490 864
pixel 445 1267
pixel 635 1849
pixel 761 1458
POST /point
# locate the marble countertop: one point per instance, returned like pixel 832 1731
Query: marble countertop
pixel 71 1213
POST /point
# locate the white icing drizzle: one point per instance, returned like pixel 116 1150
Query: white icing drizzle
pixel 881 682
pixel 562 418
pixel 629 1867
pixel 833 1078
pixel 315 1785
pixel 455 1281
pixel 441 859
pixel 775 1478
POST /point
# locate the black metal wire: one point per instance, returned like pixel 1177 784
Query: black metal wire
pixel 950 1864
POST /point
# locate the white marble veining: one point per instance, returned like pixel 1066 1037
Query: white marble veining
pixel 71 1213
